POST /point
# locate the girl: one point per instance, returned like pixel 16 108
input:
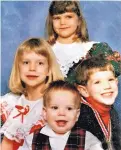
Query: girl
pixel 67 33
pixel 33 69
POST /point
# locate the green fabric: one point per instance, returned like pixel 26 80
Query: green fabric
pixel 103 48
pixel 97 49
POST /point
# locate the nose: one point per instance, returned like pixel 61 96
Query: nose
pixel 106 85
pixel 62 20
pixel 32 67
pixel 61 112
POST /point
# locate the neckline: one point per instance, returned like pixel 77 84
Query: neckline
pixel 63 44
pixel 31 101
pixel 49 132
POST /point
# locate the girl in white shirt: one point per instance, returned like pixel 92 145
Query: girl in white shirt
pixel 68 35
pixel 33 69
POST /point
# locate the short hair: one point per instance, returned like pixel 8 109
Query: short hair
pixel 59 7
pixel 39 46
pixel 89 66
pixel 61 85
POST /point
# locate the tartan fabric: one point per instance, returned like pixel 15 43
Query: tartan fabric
pixel 76 140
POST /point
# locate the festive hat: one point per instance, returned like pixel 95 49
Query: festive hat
pixel 99 49
pixel 113 56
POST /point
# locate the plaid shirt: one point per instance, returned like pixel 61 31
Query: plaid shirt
pixel 76 140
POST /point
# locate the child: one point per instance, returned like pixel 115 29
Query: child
pixel 97 83
pixel 33 69
pixel 61 111
pixel 68 35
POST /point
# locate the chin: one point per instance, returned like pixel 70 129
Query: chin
pixel 109 103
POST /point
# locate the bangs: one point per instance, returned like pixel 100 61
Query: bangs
pixel 34 46
pixel 60 7
pixel 108 67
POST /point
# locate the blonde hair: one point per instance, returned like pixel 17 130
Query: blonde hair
pixel 59 7
pixel 39 46
pixel 60 85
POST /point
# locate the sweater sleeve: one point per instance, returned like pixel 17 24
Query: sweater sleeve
pixel 92 142
pixel 7 103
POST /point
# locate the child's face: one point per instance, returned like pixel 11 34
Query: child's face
pixel 61 113
pixel 33 69
pixel 103 87
pixel 65 25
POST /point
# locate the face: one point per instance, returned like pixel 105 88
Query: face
pixel 33 69
pixel 65 25
pixel 103 87
pixel 61 113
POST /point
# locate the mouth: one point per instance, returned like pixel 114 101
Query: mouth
pixel 61 123
pixel 64 28
pixel 31 77
pixel 108 94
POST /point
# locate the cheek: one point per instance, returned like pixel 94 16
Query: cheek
pixel 73 116
pixel 75 23
pixel 56 27
pixel 22 69
pixel 116 88
pixel 55 24
pixel 44 70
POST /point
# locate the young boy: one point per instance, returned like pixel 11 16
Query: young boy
pixel 96 81
pixel 61 111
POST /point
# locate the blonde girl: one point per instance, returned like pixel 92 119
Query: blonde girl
pixel 66 31
pixel 33 69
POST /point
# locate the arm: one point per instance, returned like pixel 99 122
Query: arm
pixel 6 144
pixel 92 142
pixel 10 144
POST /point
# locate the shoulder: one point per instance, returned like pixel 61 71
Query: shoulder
pixel 9 98
pixel 85 109
pixel 86 115
pixel 87 120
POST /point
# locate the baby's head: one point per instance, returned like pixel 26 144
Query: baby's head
pixel 95 77
pixel 61 106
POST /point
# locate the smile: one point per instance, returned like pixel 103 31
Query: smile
pixel 61 123
pixel 31 77
pixel 64 28
pixel 107 94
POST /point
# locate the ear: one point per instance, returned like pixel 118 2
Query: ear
pixel 83 90
pixel 78 113
pixel 44 113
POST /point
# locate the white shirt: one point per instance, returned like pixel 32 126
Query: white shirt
pixel 68 54
pixel 14 128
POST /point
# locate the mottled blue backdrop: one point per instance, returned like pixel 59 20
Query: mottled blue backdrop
pixel 23 19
